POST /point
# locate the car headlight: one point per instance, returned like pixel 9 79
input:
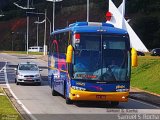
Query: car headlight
pixel 20 75
pixel 37 75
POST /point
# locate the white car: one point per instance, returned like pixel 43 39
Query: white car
pixel 28 73
pixel 35 49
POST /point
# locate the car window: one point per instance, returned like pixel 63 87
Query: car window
pixel 31 67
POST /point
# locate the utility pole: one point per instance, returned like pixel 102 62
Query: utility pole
pixel 12 33
pixel 37 31
pixel 54 1
pixel 25 47
pixel 53 14
pixel 87 10
pixel 25 8
pixel 45 48
pixel 27 26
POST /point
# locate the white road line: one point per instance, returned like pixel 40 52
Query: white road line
pixel 18 101
pixel 145 103
pixel 2 69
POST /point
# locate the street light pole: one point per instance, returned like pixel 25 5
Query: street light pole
pixel 45 48
pixel 25 41
pixel 25 8
pixel 53 13
pixel 12 39
pixel 27 26
pixel 37 31
pixel 50 24
pixel 54 9
pixel 87 10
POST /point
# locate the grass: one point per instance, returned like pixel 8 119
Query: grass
pixel 22 52
pixel 7 110
pixel 1 91
pixel 147 75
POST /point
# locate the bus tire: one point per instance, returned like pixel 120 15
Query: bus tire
pixel 114 103
pixel 69 101
pixel 54 93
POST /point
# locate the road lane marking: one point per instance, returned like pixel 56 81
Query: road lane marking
pixel 2 69
pixel 2 94
pixel 2 75
pixel 18 101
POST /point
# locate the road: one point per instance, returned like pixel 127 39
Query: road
pixel 38 101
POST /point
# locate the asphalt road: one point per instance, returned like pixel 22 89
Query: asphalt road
pixel 38 101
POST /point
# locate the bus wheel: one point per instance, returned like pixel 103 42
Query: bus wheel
pixel 114 104
pixel 68 101
pixel 54 93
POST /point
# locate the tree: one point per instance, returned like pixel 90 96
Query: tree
pixel 147 28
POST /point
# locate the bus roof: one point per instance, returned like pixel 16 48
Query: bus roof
pixel 91 27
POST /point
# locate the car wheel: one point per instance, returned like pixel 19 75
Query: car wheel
pixel 39 84
pixel 17 83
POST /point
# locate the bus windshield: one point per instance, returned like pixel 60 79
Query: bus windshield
pixel 101 57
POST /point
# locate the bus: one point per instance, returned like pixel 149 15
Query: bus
pixel 90 61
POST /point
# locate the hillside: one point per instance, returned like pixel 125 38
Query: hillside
pixel 146 75
pixel 144 15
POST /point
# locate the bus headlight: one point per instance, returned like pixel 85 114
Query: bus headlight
pixel 122 90
pixel 78 88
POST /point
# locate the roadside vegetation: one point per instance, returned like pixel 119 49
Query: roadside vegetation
pixel 22 52
pixel 7 110
pixel 147 75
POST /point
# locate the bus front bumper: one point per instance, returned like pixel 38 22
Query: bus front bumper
pixel 78 95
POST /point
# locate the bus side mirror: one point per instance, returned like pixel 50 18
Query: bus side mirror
pixel 134 58
pixel 69 54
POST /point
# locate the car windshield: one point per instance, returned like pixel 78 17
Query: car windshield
pixel 31 67
pixel 105 58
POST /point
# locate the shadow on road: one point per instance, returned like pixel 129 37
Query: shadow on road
pixel 27 58
pixel 93 104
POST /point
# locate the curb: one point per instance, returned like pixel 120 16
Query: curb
pixel 146 97
pixel 17 106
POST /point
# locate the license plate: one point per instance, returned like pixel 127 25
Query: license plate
pixel 101 96
pixel 28 78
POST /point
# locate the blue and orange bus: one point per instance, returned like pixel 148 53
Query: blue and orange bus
pixel 90 61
